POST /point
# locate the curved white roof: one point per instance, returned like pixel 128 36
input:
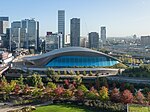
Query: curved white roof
pixel 63 50
pixel 44 58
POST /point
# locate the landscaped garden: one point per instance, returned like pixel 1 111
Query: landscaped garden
pixel 138 108
pixel 101 95
pixel 62 108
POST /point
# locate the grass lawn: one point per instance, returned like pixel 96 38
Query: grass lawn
pixel 62 108
pixel 137 108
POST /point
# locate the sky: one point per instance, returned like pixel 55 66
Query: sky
pixel 121 17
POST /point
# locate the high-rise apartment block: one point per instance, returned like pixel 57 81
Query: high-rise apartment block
pixel 83 41
pixel 61 25
pixel 53 41
pixel 4 24
pixel 103 34
pixel 25 34
pixel 145 40
pixel 75 32
pixel 94 40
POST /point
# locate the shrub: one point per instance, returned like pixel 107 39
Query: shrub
pixel 58 91
pixel 119 65
pixel 26 89
pixel 103 94
pixel 82 88
pixel 91 95
pixel 51 85
pixel 37 93
pixel 79 94
pixel 126 97
pixel 67 93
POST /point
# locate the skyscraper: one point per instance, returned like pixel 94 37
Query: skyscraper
pixel 15 35
pixel 32 36
pixel 75 32
pixel 25 34
pixel 4 24
pixel 103 34
pixel 61 24
pixel 93 40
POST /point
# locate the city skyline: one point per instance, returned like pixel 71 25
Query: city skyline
pixel 122 18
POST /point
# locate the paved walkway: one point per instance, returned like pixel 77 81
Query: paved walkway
pixel 8 108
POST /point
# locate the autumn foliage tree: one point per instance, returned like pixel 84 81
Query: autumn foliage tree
pixel 17 89
pixel 103 94
pixel 115 95
pixel 126 97
pixel 79 94
pixel 139 97
pixel 58 91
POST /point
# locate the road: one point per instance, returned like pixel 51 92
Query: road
pixel 130 79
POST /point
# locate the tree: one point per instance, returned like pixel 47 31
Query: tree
pixel 3 80
pixel 58 91
pixel 141 61
pixel 26 89
pixel 37 93
pixel 103 94
pixel 66 83
pixel 20 81
pixel 51 85
pixel 17 89
pixel 58 73
pixel 139 97
pixel 78 80
pixel 126 97
pixel 67 94
pixel 78 73
pixel 65 72
pixel 8 88
pixel 84 73
pixel 72 72
pixel 35 80
pixel 52 75
pixel 39 81
pixel 32 81
pixel 148 97
pixel 90 73
pixel 115 95
pixel 82 88
pixel 79 94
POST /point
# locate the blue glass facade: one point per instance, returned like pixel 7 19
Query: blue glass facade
pixel 86 61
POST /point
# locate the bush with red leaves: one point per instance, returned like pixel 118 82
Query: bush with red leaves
pixel 126 97
pixel 115 95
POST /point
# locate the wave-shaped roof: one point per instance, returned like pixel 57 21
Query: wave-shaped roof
pixel 64 51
